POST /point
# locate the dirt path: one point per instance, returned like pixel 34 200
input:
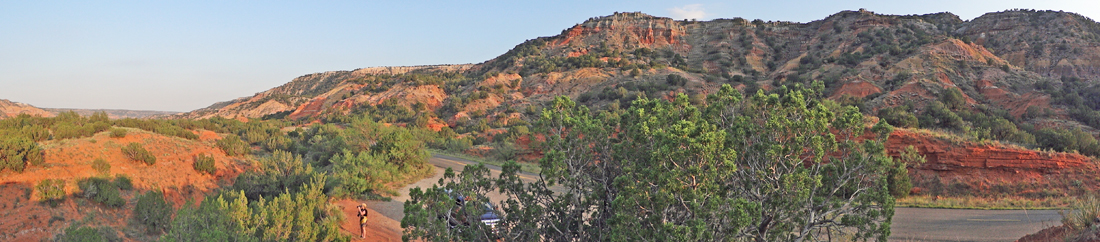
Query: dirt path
pixel 385 216
pixel 379 228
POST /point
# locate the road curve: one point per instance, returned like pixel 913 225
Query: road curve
pixel 910 224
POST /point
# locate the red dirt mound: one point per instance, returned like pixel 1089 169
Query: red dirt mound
pixel 1057 233
pixel 72 159
pixel 25 219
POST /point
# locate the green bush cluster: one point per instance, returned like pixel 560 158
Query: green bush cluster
pixel 684 171
pixel 138 152
pixel 204 164
pixel 303 214
pixel 281 172
pixel 101 190
pixel 152 211
pixel 76 232
pixel 18 152
pixel 899 116
pixel 123 182
pixel 675 80
pixel 118 133
pixel 898 183
pixel 51 191
pixel 232 145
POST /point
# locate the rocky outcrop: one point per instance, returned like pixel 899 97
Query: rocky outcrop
pixel 945 155
pixel 959 167
pixel 638 29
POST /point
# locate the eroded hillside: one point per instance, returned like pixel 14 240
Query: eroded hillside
pixel 1023 78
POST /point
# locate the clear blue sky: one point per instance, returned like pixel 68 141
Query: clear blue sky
pixel 185 55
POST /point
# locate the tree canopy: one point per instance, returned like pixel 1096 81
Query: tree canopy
pixel 786 166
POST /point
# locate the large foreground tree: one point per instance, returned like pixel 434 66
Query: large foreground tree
pixel 787 166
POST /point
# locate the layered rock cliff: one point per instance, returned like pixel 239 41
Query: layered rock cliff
pixel 976 168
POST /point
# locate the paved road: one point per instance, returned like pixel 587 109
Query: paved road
pixel 910 224
pixel 930 224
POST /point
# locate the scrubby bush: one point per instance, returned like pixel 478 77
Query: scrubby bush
pixel 675 80
pixel 232 145
pixel 79 233
pixel 101 190
pixel 899 117
pixel 123 182
pixel 35 132
pixel 51 191
pixel 938 115
pixel 118 133
pixel 1068 141
pixel 303 214
pixel 277 174
pixel 17 152
pixel 153 211
pixel 138 152
pixel 204 164
pixel 100 165
pixel 953 98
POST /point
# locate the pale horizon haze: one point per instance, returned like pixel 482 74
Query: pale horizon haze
pixel 186 55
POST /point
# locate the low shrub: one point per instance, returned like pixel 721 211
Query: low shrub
pixel 101 190
pixel 1083 214
pixel 51 191
pixel 77 232
pixel 100 165
pixel 232 145
pixel 123 182
pixel 204 164
pixel 118 133
pixel 153 211
pixel 138 153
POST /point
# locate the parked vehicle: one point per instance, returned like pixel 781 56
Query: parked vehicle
pixel 456 216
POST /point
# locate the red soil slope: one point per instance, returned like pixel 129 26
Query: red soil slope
pixel 25 219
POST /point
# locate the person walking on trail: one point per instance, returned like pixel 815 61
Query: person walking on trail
pixel 362 220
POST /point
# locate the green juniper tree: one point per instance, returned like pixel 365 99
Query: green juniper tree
pixel 771 167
